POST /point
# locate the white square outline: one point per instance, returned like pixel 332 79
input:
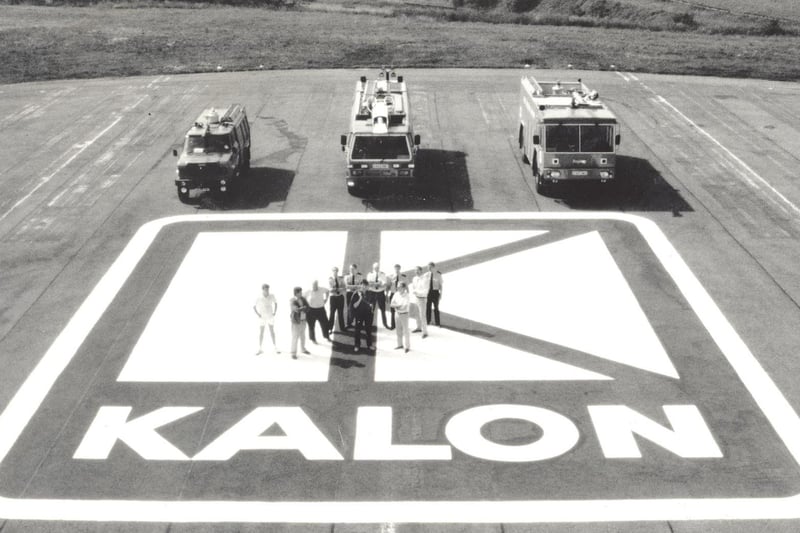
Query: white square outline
pixel 35 388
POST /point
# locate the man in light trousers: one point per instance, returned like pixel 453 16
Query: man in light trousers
pixel 400 304
pixel 419 290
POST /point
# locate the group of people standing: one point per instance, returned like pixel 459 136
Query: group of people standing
pixel 361 297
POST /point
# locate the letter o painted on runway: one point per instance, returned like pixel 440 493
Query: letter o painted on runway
pixel 559 434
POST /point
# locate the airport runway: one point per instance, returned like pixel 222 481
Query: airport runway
pixel 668 304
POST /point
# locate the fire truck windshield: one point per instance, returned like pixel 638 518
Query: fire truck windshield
pixel 204 144
pixel 388 147
pixel 584 138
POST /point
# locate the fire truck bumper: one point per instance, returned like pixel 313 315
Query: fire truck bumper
pixel 571 174
pixel 186 185
pixel 366 184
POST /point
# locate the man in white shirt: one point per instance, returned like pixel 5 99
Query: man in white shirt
pixel 336 299
pixel 434 293
pixel 317 297
pixel 265 307
pixel 352 282
pixel 419 301
pixel 400 303
pixel 393 282
pixel 376 293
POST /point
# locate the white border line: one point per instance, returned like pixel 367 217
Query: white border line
pixel 33 391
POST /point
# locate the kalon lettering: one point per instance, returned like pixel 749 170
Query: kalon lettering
pixel 617 427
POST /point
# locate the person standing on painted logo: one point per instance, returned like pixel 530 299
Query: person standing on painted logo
pixel 376 294
pixel 434 294
pixel 352 282
pixel 361 310
pixel 265 307
pixel 393 282
pixel 317 297
pixel 400 303
pixel 336 300
pixel 299 307
pixel 419 299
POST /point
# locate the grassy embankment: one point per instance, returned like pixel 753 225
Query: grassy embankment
pixel 54 42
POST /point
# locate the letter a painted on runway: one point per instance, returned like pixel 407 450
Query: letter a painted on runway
pixel 300 434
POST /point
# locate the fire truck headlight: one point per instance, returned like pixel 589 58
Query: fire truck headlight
pixel 396 165
pixel 364 166
pixel 184 190
pixel 605 174
pixel 351 183
pixel 411 165
pixel 555 174
pixel 223 189
pixel 223 182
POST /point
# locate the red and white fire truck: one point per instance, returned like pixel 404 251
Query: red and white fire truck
pixel 381 145
pixel 566 133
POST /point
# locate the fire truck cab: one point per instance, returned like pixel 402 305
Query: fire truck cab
pixel 216 151
pixel 566 133
pixel 381 145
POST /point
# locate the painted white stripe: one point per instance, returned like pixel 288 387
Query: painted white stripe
pixel 473 512
pixel 33 391
pixel 46 179
pixel 744 166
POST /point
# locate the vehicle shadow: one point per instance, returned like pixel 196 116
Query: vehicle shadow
pixel 259 188
pixel 442 184
pixel 638 187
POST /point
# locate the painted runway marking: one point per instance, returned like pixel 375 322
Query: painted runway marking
pixel 748 171
pixel 203 329
pixel 742 169
pixel 46 179
pixel 34 390
pixel 584 284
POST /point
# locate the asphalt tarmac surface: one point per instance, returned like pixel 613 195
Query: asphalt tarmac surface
pixel 675 288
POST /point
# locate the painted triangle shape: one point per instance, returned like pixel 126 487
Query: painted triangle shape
pixel 447 355
pixel 570 293
pixel 417 248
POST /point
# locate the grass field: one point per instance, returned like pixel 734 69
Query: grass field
pixel 38 42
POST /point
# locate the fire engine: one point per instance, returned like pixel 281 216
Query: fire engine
pixel 216 151
pixel 566 133
pixel 381 145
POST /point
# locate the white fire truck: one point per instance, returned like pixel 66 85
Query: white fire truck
pixel 566 133
pixel 216 151
pixel 381 145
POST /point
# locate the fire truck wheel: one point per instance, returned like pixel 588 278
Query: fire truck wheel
pixel 542 185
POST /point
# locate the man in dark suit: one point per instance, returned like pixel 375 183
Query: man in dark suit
pixel 361 310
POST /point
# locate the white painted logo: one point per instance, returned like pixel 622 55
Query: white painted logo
pixel 585 289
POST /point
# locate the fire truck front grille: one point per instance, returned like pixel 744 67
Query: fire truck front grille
pixel 198 171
